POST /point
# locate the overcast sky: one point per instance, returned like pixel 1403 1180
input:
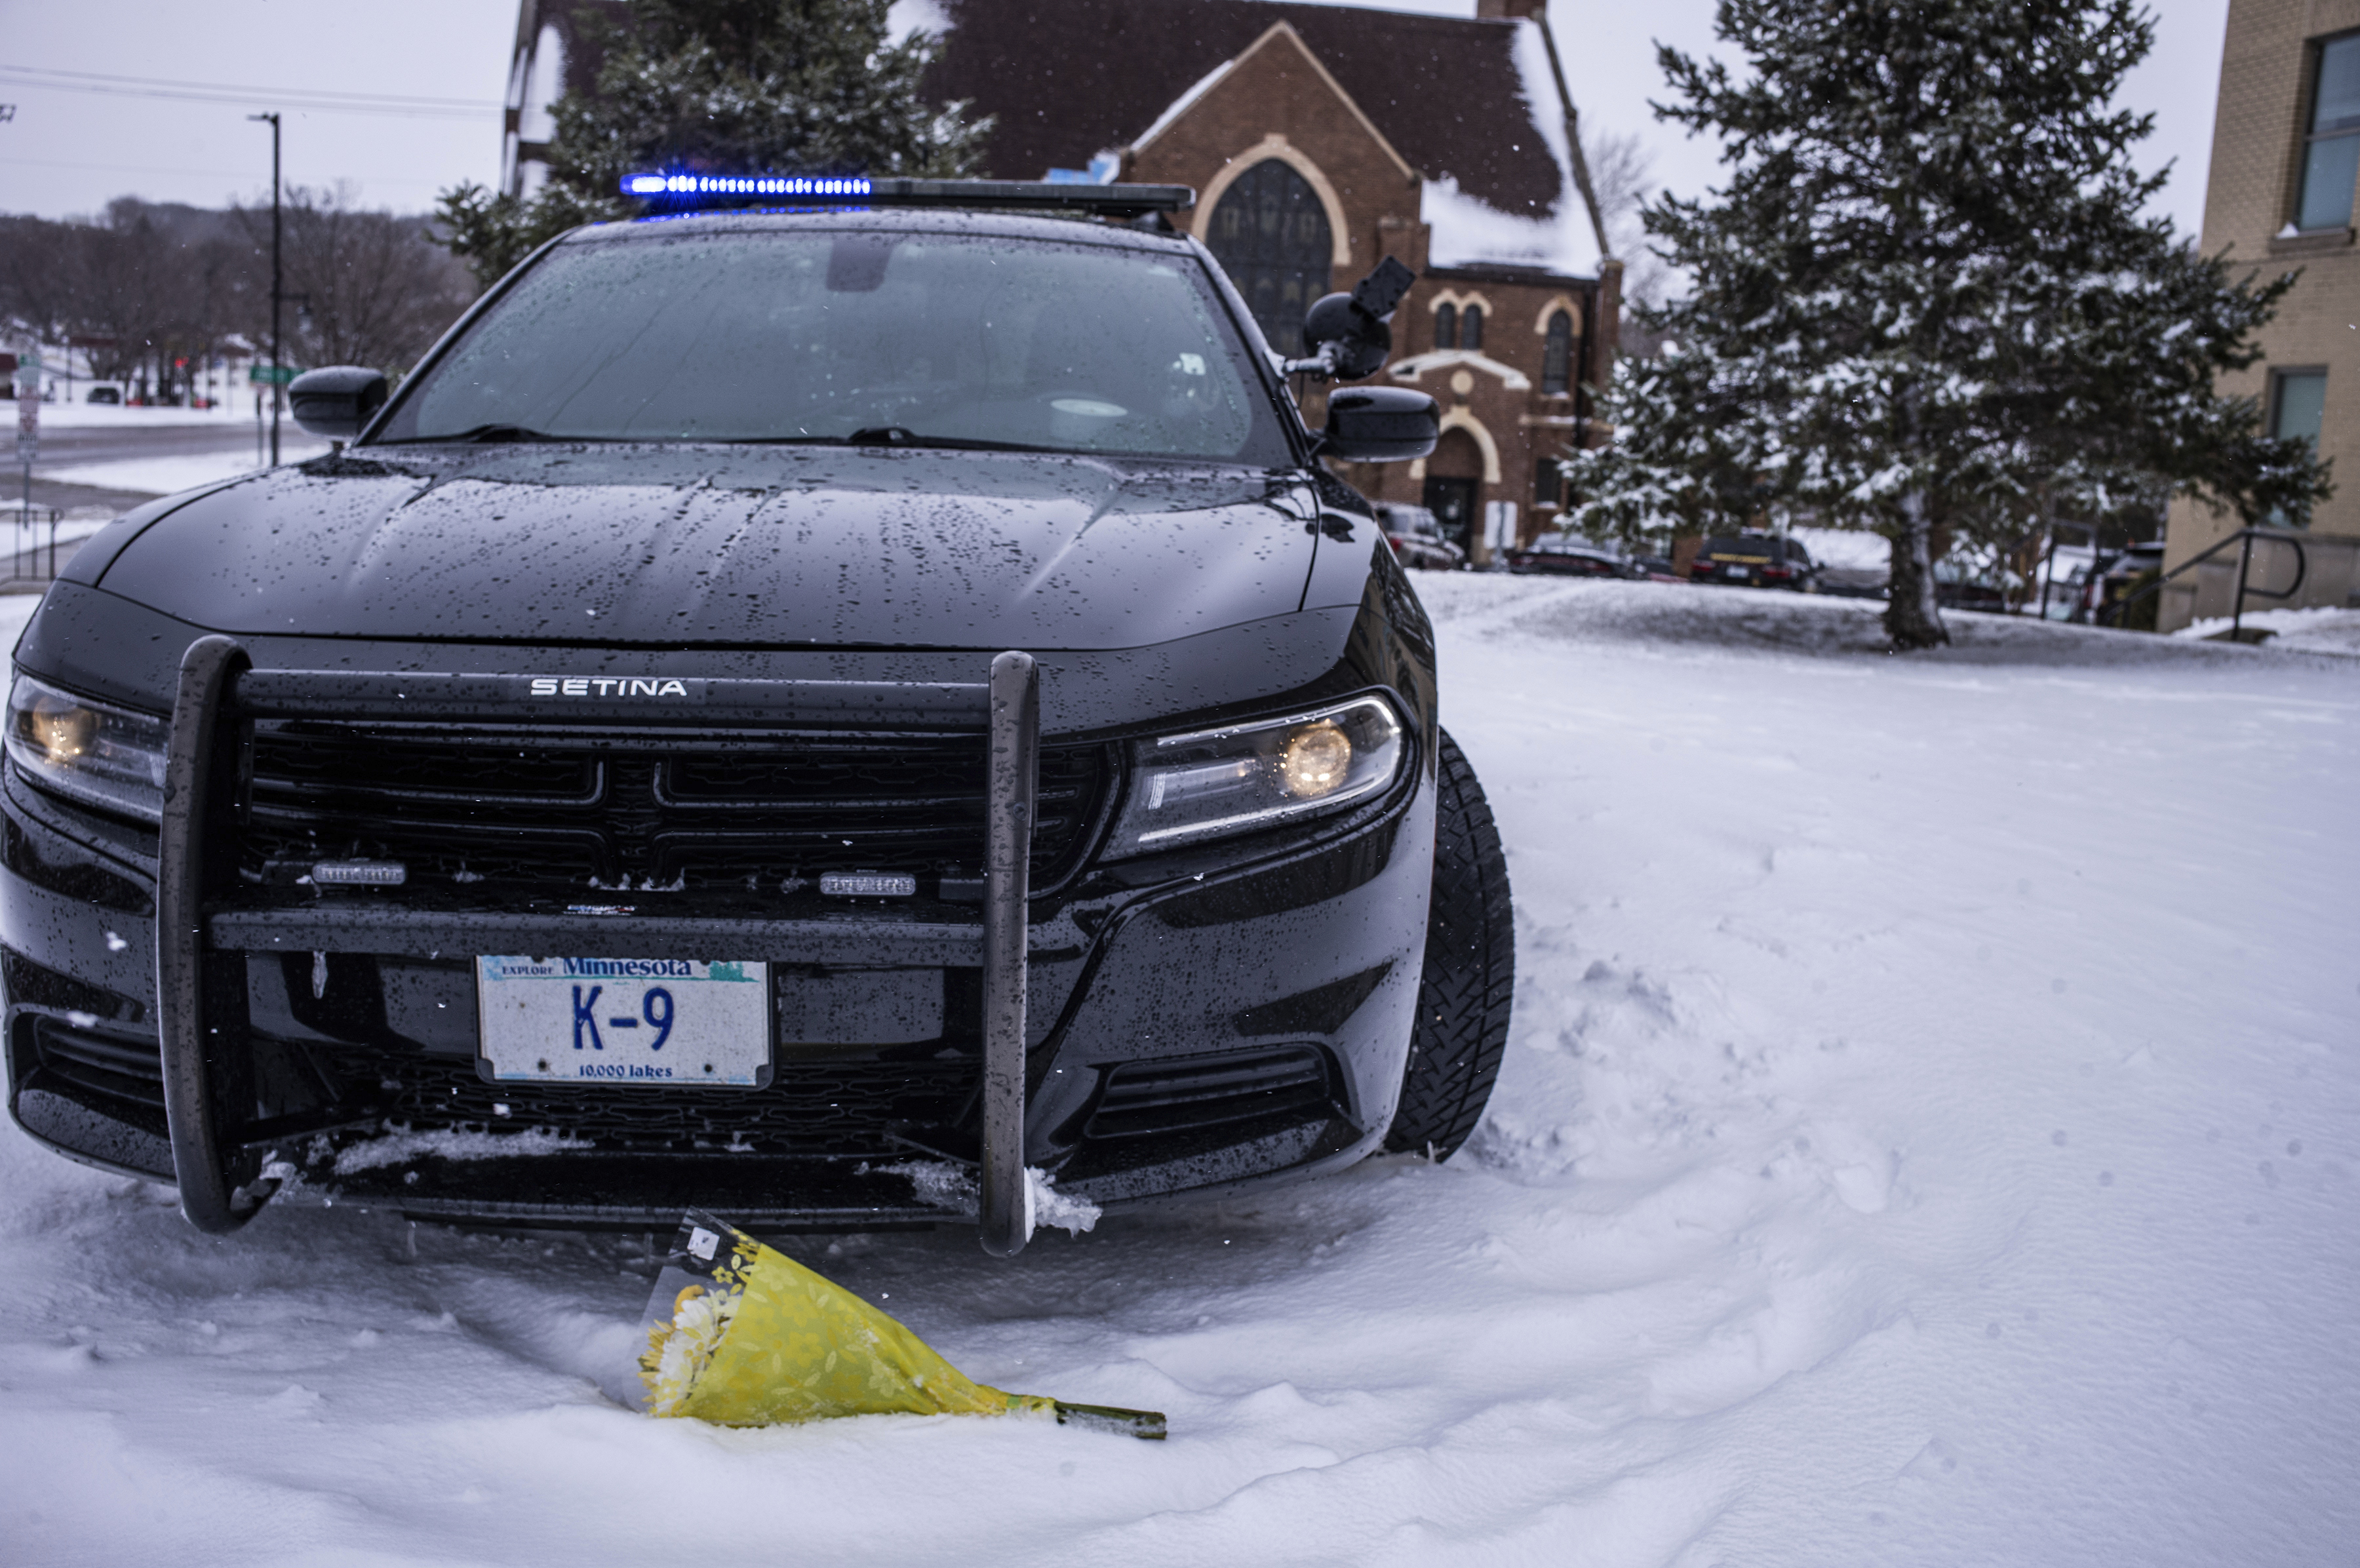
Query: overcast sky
pixel 70 151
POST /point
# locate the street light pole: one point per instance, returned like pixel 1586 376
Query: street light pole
pixel 276 284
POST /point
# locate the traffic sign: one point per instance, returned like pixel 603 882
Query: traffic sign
pixel 269 375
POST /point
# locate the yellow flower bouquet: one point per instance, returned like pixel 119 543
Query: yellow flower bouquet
pixel 740 1334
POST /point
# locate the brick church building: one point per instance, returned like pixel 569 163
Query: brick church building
pixel 1318 139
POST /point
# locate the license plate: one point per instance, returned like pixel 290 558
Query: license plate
pixel 624 1020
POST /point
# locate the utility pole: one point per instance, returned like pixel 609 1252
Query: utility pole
pixel 276 284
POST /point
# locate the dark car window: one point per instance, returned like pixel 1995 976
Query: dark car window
pixel 816 334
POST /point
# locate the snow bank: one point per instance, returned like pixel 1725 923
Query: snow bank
pixel 1928 1136
pixel 170 475
pixel 1853 547
pixel 62 416
pixel 2324 629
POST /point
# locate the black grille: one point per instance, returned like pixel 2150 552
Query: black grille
pixel 556 811
pixel 864 1107
pixel 1143 1098
pixel 119 1067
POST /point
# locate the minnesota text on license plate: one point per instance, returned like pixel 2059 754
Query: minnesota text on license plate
pixel 679 1020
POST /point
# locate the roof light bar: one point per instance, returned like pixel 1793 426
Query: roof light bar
pixel 679 192
pixel 707 185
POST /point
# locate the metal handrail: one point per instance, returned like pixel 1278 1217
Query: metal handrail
pixel 26 564
pixel 2246 538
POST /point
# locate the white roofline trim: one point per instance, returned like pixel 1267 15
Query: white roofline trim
pixel 1182 105
pixel 1417 365
pixel 1276 29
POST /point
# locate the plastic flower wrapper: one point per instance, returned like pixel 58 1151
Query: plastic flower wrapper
pixel 740 1334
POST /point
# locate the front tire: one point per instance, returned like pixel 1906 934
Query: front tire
pixel 1469 979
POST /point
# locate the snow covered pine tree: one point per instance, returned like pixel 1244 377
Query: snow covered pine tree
pixel 1927 300
pixel 724 86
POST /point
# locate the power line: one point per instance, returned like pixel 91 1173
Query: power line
pixel 216 173
pixel 307 99
pixel 408 98
pixel 299 106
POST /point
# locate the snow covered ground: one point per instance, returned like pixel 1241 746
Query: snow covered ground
pixel 1928 1136
pixel 192 446
pixel 170 473
pixel 234 413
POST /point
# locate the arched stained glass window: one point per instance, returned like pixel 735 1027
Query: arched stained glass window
pixel 1446 326
pixel 1470 327
pixel 1269 234
pixel 1557 353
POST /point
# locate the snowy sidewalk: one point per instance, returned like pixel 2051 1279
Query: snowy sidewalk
pixel 1928 1137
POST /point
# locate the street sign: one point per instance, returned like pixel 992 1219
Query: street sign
pixel 269 375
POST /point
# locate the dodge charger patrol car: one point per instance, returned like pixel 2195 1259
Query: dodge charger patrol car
pixel 785 703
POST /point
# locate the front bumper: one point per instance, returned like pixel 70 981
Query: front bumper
pixel 1193 1020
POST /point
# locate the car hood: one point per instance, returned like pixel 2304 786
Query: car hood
pixel 770 547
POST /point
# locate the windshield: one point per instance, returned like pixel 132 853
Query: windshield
pixel 816 335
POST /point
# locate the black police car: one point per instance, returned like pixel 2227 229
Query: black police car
pixel 805 713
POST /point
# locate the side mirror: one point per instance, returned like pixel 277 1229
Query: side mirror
pixel 336 402
pixel 1347 333
pixel 1380 424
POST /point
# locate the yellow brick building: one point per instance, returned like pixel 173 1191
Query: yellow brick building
pixel 2284 183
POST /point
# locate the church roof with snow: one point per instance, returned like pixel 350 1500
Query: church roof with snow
pixel 1067 80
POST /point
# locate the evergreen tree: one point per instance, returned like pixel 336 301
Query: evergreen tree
pixel 725 86
pixel 1925 303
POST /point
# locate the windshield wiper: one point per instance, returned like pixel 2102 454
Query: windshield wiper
pixel 892 436
pixel 481 433
pixel 895 435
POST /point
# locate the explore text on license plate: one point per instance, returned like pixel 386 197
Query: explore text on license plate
pixel 624 1020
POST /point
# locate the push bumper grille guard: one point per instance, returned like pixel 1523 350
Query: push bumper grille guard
pixel 200 939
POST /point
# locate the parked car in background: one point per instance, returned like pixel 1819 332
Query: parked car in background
pixel 1571 555
pixel 1416 537
pixel 1958 588
pixel 2117 578
pixel 106 395
pixel 1760 561
pixel 1659 567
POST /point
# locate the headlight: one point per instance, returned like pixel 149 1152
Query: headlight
pixel 1184 788
pixel 106 756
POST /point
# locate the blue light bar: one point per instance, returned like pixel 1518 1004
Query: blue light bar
pixel 677 194
pixel 678 185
